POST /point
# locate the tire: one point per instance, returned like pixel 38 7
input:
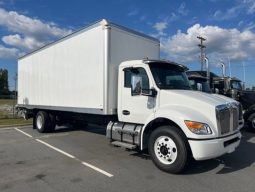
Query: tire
pixel 251 122
pixel 42 122
pixel 53 122
pixel 169 149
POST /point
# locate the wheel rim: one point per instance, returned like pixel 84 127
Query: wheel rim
pixel 39 122
pixel 165 150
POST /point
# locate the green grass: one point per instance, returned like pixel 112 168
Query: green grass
pixel 14 122
pixel 7 102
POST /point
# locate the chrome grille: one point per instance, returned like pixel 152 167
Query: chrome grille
pixel 235 118
pixel 224 120
pixel 227 118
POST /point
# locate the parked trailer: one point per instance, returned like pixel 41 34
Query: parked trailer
pixel 98 75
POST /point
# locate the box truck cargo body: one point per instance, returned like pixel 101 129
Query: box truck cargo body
pixel 108 74
pixel 79 72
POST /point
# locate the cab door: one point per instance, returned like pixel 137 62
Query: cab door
pixel 136 108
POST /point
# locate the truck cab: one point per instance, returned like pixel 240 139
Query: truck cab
pixel 198 82
pixel 228 86
pixel 158 111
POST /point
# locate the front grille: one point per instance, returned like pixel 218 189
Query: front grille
pixel 227 118
pixel 235 118
pixel 224 120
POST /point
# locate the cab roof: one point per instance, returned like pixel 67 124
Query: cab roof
pixel 150 61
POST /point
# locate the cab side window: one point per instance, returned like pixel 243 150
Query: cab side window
pixel 136 71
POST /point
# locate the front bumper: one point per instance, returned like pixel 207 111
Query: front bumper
pixel 208 149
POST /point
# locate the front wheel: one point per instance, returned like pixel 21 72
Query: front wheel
pixel 169 149
pixel 251 122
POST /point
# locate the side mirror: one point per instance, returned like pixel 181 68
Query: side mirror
pixel 136 85
pixel 150 92
pixel 199 87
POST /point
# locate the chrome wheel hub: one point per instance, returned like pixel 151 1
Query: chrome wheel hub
pixel 165 150
pixel 39 122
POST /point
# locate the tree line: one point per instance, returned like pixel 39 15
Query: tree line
pixel 4 85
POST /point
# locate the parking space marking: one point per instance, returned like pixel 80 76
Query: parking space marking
pixel 56 149
pixel 67 154
pixel 23 132
pixel 97 169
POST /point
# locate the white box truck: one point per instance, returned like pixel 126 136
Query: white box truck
pixel 98 75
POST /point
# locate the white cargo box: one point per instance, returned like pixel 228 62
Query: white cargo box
pixel 79 72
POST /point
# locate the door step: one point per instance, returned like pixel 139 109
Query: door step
pixel 124 145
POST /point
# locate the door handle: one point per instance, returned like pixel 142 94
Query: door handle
pixel 126 112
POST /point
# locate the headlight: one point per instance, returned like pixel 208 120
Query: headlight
pixel 198 128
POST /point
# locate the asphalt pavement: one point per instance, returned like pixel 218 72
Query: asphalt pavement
pixel 83 160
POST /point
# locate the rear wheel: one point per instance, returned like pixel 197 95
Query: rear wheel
pixel 169 149
pixel 53 122
pixel 42 122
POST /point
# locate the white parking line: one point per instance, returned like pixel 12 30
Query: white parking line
pixel 56 149
pixel 97 169
pixel 68 155
pixel 23 132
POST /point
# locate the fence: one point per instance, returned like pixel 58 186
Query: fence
pixel 7 107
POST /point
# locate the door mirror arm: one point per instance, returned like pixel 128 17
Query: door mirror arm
pixel 152 93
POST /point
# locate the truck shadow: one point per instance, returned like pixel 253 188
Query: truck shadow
pixel 242 158
pixel 88 128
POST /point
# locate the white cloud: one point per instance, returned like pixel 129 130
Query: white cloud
pixel 26 43
pixel 160 27
pixel 182 9
pixel 250 26
pixel 241 7
pixel 8 53
pixel 221 43
pixel 249 5
pixel 228 14
pixel 32 32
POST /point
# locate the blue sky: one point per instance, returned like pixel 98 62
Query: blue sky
pixel 228 25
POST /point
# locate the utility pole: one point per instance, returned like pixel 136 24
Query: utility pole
pixel 202 48
pixel 243 72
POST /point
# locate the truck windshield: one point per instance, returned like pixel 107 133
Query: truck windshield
pixel 169 76
pixel 235 85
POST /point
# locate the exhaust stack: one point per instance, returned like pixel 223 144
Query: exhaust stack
pixel 223 69
pixel 207 69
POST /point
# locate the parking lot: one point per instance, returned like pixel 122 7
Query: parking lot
pixel 83 160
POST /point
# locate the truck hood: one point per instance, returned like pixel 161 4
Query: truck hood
pixel 196 98
pixel 225 97
pixel 192 105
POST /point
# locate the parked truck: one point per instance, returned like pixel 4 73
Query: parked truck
pixel 228 86
pixel 98 75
